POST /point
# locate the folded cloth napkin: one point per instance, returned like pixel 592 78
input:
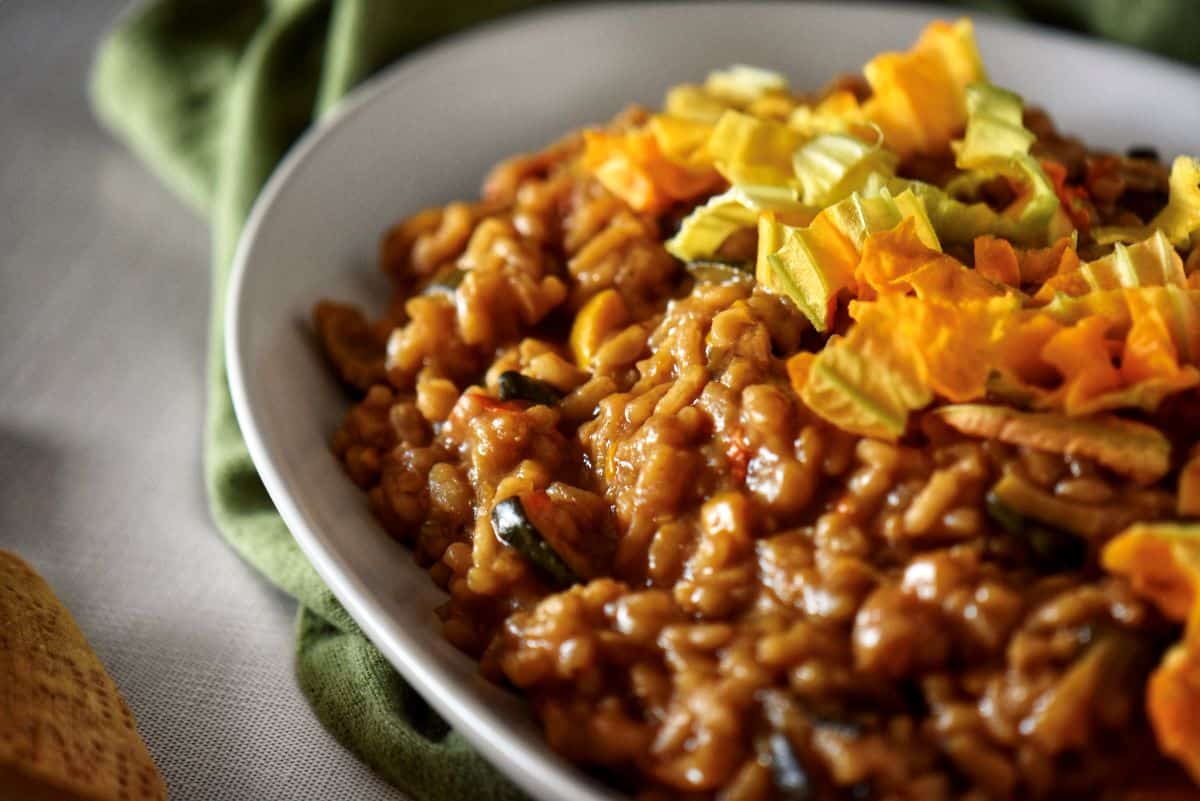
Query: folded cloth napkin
pixel 211 93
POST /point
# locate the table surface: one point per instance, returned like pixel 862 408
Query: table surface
pixel 103 308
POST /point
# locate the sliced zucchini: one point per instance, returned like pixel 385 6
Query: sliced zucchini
pixel 517 386
pixel 792 779
pixel 1032 502
pixel 1053 549
pixel 1008 519
pixel 1130 448
pixel 1143 152
pixel 1113 665
pixel 514 529
pixel 445 282
pixel 842 726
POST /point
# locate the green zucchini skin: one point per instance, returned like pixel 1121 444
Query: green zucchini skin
pixel 513 527
pixel 1052 549
pixel 792 779
pixel 517 386
pixel 445 282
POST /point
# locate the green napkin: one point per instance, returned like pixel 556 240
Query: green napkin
pixel 211 93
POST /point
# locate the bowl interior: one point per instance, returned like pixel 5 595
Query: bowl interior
pixel 425 133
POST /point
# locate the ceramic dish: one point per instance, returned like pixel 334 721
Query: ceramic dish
pixel 425 132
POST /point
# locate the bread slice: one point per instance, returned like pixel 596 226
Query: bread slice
pixel 65 732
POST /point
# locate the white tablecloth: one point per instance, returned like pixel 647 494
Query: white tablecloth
pixel 103 308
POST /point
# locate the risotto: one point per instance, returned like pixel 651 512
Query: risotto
pixel 801 447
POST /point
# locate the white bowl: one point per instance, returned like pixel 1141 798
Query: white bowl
pixel 426 131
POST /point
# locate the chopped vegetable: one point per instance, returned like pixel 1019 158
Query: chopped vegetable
pixel 1029 500
pixel 1128 348
pixel 1113 660
pixel 514 385
pixel 996 259
pixel 598 318
pixel 1124 446
pixel 940 332
pixel 901 351
pixel 792 779
pixel 995 131
pixel 446 281
pixel 1180 220
pixel 1151 262
pixel 702 232
pixel 1183 306
pixel 844 727
pixel 919 97
pixel 899 260
pixel 1038 264
pixel 837 113
pixel 812 265
pixel 831 166
pixel 865 383
pixel 632 166
pixel 1119 348
pixel 770 239
pixel 1162 563
pixel 1053 550
pixel 1172 701
pixel 1143 152
pixel 693 103
pixel 1125 234
pixel 748 150
pixel 1083 355
pixel 514 528
pixel 1072 200
pixel 1164 329
pixel 1006 518
pixel 744 84
pixel 999 261
pixel 996 144
pixel 680 139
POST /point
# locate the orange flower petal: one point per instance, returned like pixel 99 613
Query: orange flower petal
pixel 1161 562
pixel 1083 355
pixel 1173 705
pixel 631 166
pixel 896 260
pixel 996 259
